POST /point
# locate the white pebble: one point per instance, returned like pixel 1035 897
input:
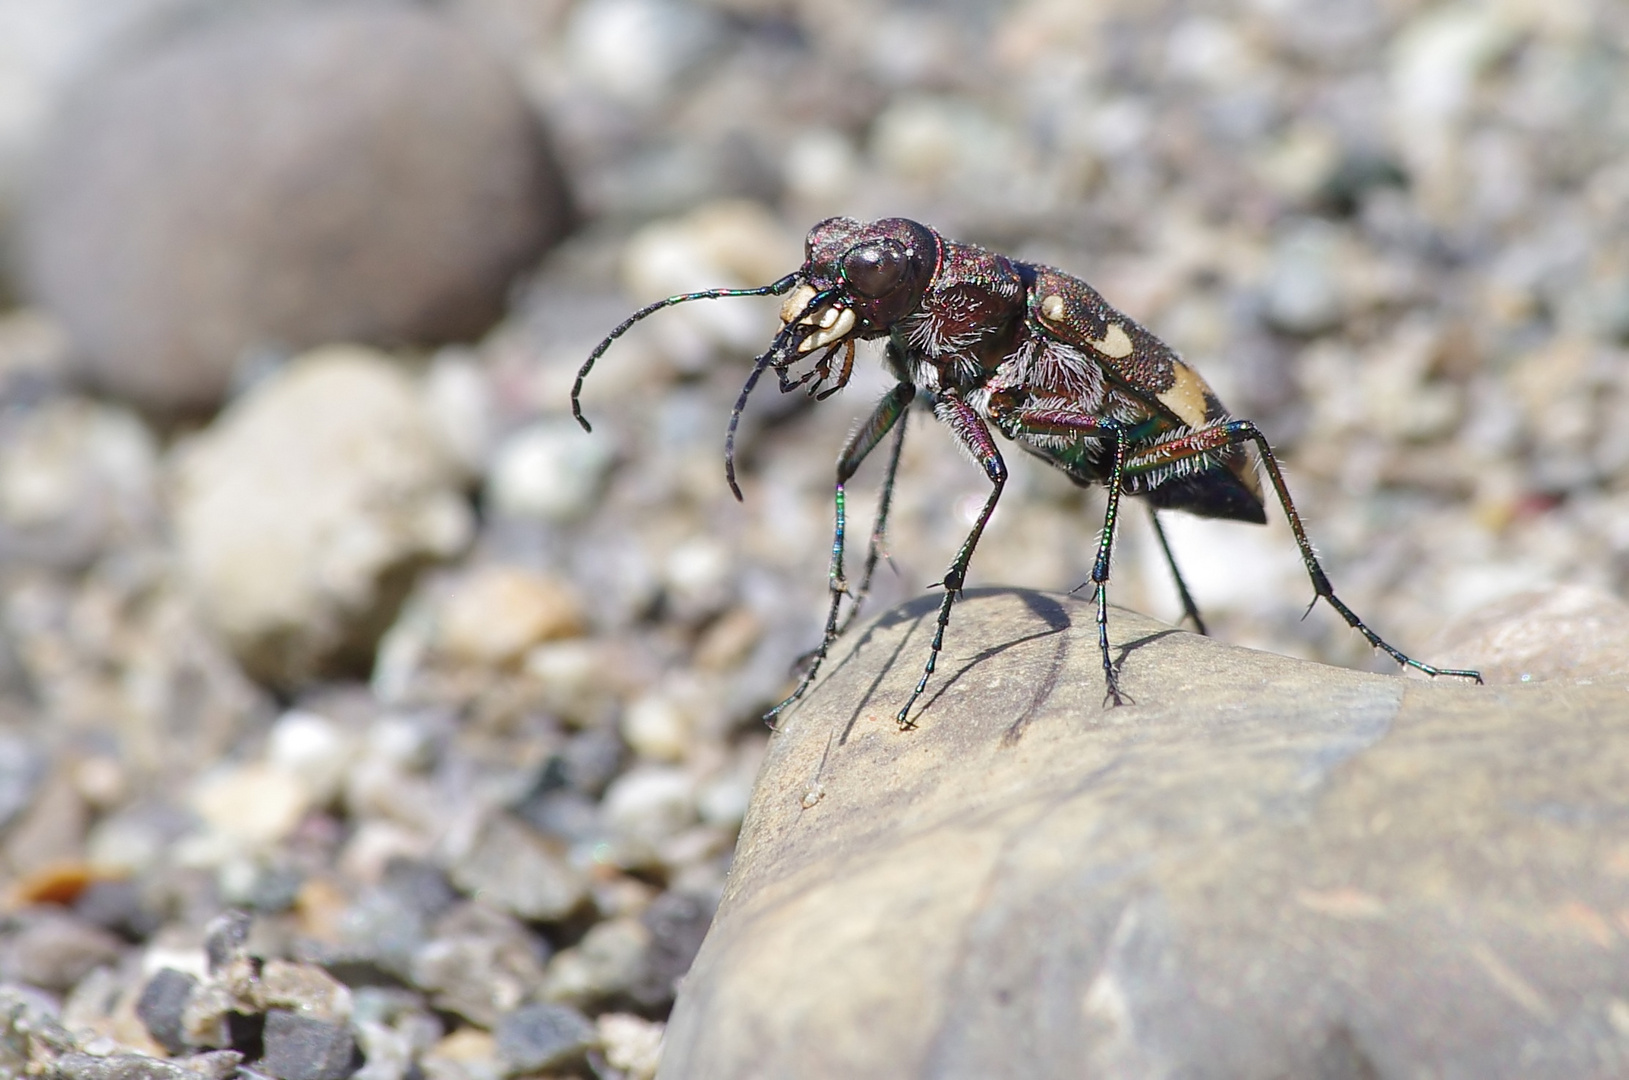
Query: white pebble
pixel 551 471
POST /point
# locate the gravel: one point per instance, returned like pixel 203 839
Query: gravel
pixel 459 704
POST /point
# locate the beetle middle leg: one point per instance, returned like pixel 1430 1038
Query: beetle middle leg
pixel 1237 433
pixel 965 424
pixel 889 414
pixel 1061 422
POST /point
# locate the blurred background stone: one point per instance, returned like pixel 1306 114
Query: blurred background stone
pixel 259 183
pixel 1570 633
pixel 302 514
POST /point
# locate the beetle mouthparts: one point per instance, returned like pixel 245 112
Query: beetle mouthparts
pixel 834 325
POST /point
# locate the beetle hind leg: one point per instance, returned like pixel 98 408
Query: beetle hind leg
pixel 1190 610
pixel 1237 433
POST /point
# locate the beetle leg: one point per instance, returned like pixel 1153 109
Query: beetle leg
pixel 965 424
pixel 879 528
pixel 1100 569
pixel 1237 433
pixel 1190 610
pixel 843 374
pixel 1062 422
pixel 888 414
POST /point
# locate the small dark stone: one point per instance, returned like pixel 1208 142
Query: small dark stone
pixel 224 937
pixel 536 1037
pixel 678 922
pixel 302 1048
pixel 161 1004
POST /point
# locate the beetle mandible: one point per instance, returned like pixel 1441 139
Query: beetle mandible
pixel 1029 351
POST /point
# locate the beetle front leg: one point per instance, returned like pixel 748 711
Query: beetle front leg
pixel 879 528
pixel 888 414
pixel 1237 433
pixel 970 431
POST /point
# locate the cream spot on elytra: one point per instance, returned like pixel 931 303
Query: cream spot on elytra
pixel 1115 342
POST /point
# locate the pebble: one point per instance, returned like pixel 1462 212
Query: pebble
pixel 496 613
pixel 466 1054
pixel 632 1044
pixel 29 1030
pixel 731 242
pixel 314 750
pixel 117 905
pixel 304 1048
pixel 52 949
pixel 22 767
pixel 1302 294
pixel 160 1007
pixel 76 478
pixel 217 192
pixel 511 866
pixel 635 50
pixel 301 512
pixel 548 471
pixel 479 963
pixel 649 803
pixel 249 806
pixel 305 990
pixel 390 921
pixel 120 1067
pixel 677 923
pixel 538 1037
pixel 52 829
pixel 612 959
pixel 657 728
pixel 573 679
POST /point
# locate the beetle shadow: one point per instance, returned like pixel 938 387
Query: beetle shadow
pixel 1045 607
pixel 1057 620
pixel 912 613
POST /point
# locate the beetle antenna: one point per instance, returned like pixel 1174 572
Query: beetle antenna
pixel 767 360
pixel 774 356
pixel 785 284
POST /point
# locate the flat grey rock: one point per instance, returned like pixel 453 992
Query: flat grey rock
pixel 1264 867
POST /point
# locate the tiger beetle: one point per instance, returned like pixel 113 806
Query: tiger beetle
pixel 1031 352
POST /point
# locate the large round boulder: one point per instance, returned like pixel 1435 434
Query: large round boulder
pixel 257 184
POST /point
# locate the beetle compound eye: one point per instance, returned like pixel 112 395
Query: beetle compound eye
pixel 875 269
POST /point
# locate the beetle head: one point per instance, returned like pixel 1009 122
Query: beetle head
pixel 859 278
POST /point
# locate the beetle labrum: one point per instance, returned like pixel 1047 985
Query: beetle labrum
pixel 1031 352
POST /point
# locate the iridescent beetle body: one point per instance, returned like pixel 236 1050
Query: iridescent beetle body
pixel 1032 352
